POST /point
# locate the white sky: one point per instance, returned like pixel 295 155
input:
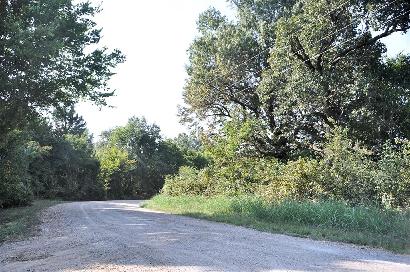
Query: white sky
pixel 154 35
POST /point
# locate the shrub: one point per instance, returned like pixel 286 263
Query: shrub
pixel 241 176
pixel 347 171
pixel 14 193
pixel 15 156
pixel 188 181
pixel 295 180
pixel 393 176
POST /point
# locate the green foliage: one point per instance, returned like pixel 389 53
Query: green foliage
pixel 393 176
pixel 333 220
pixel 115 166
pixel 49 60
pixel 43 163
pixel 135 159
pixel 345 172
pixel 296 68
pixel 188 181
pixel 80 168
pixel 68 169
pixel 348 173
pixel 15 189
pixel 242 176
pixel 138 142
pixel 299 180
pixel 231 142
pixel 191 148
pixel 67 121
pixel 43 63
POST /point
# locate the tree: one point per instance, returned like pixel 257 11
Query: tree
pixel 328 72
pixel 191 148
pixel 115 172
pixel 68 169
pixel 40 162
pixel 296 68
pixel 49 58
pixel 44 59
pixel 135 159
pixel 67 121
pixel 15 186
pixel 140 142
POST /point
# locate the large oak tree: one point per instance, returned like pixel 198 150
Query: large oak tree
pixel 295 68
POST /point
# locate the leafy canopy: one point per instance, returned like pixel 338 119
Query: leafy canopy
pixel 49 57
pixel 294 69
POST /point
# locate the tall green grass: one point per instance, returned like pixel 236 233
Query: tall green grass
pixel 337 221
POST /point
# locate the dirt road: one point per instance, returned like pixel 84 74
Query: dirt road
pixel 120 236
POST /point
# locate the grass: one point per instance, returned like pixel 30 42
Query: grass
pixel 20 222
pixel 327 220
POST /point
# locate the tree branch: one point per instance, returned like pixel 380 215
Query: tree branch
pixel 298 50
pixel 391 28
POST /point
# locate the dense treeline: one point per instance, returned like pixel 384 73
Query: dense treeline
pixel 135 158
pixel 300 102
pixel 48 161
pixel 57 159
pixel 45 150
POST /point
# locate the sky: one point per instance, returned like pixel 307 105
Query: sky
pixel 155 35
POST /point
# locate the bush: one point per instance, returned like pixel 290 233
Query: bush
pixel 393 176
pixel 295 180
pixel 14 180
pixel 14 193
pixel 188 181
pixel 346 172
pixel 240 176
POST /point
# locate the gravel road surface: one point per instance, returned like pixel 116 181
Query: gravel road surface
pixel 120 236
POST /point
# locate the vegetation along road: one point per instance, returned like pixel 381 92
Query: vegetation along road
pixel 121 236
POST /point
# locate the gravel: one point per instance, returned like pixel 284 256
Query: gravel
pixel 121 236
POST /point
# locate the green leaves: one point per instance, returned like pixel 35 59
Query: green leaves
pixel 135 159
pixel 296 68
pixel 44 61
pixel 113 161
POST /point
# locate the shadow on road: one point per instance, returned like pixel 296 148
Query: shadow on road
pixel 120 236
